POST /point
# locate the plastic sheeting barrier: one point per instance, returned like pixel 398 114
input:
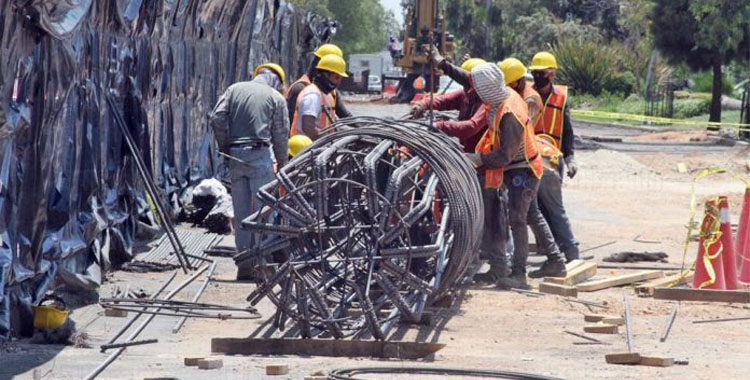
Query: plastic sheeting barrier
pixel 70 198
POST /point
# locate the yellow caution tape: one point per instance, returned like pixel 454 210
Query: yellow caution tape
pixel 740 127
pixel 693 209
pixel 153 208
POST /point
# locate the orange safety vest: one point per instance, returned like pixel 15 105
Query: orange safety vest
pixel 327 104
pixel 551 121
pixel 530 94
pixel 305 79
pixel 490 141
pixel 550 154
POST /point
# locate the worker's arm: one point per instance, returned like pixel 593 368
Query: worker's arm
pixel 280 131
pixel 291 99
pixel 341 110
pixel 456 73
pixel 448 101
pixel 567 135
pixel 511 138
pixel 465 129
pixel 310 110
pixel 219 122
pixel 534 109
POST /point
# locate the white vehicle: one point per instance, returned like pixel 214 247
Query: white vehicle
pixel 374 85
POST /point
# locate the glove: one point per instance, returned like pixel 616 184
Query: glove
pixel 570 162
pixel 435 56
pixel 476 159
pixel 465 58
pixel 417 110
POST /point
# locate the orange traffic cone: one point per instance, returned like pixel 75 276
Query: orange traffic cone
pixel 743 240
pixel 709 267
pixel 728 255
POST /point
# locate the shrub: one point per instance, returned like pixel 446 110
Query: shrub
pixel 704 82
pixel 687 108
pixel 620 83
pixel 584 65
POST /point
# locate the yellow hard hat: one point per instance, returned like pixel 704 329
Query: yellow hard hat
pixel 334 64
pixel 472 63
pixel 326 49
pixel 49 318
pixel 272 66
pixel 298 143
pixel 512 69
pixel 543 60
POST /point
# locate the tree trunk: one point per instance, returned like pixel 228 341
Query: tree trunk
pixel 716 92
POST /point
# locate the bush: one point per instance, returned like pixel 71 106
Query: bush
pixel 620 83
pixel 584 65
pixel 687 108
pixel 704 82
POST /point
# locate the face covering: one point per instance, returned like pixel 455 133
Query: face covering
pixel 324 84
pixel 270 78
pixel 540 78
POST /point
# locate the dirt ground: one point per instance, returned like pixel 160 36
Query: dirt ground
pixel 625 190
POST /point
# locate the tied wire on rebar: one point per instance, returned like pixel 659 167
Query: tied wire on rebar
pixel 365 228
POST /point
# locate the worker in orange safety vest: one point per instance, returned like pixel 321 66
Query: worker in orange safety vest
pixel 314 111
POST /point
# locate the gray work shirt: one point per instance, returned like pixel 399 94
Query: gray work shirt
pixel 252 112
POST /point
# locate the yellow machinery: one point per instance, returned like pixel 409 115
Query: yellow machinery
pixel 423 21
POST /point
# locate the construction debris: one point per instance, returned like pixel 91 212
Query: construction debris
pixel 702 295
pixel 210 363
pixel 277 369
pixel 586 337
pixel 105 347
pixel 192 362
pixel 647 289
pixel 560 290
pixel 670 322
pixel 623 358
pixel 634 257
pixel 577 271
pixel 601 328
pixel 116 313
pixel 373 224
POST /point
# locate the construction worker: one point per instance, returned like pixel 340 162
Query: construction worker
pixel 297 144
pixel 314 112
pixel 515 78
pixel 555 126
pixel 510 156
pixel 295 88
pixel 249 121
pixel 472 118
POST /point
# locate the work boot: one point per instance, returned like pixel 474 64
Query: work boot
pixel 491 276
pixel 550 268
pixel 516 280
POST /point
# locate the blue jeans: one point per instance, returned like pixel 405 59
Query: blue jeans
pixel 551 205
pixel 246 181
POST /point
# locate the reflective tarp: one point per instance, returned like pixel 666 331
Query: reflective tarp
pixel 70 197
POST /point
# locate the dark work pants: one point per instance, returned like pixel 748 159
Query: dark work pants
pixel 495 233
pixel 522 191
pixel 551 205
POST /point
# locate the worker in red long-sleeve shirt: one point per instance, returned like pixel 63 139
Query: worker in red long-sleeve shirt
pixel 472 118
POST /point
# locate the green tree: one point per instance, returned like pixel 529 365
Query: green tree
pixel 704 34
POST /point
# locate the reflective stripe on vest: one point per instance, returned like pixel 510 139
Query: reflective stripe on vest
pixel 490 141
pixel 326 104
pixel 551 120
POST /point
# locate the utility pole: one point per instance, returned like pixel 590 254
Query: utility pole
pixel 488 6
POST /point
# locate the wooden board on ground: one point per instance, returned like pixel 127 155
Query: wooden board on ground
pixel 624 279
pixel 702 295
pixel 600 328
pixel 324 347
pixel 579 271
pixel 560 290
pixel 210 363
pixel 647 289
pixel 277 369
pixel 655 361
pixel 623 358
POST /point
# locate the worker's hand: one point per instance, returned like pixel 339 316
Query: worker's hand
pixel 465 58
pixel 570 162
pixel 435 57
pixel 417 110
pixel 476 159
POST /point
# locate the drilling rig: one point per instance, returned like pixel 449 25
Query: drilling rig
pixel 424 26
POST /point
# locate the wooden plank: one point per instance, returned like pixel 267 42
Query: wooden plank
pixel 575 276
pixel 277 369
pixel 647 289
pixel 619 321
pixel 600 328
pixel 624 279
pixel 560 290
pixel 702 295
pixel 623 358
pixel 594 317
pixel 192 362
pixel 655 361
pixel 323 347
pixel 210 363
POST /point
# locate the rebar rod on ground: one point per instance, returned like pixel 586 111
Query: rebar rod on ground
pixel 140 328
pixel 105 347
